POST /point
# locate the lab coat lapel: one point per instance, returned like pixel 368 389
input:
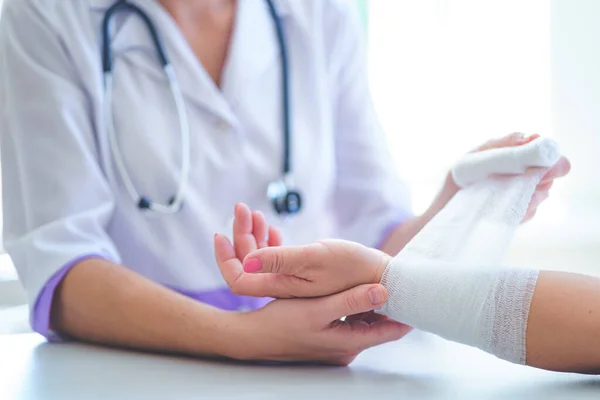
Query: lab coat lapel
pixel 196 84
pixel 254 47
pixel 130 34
pixel 127 31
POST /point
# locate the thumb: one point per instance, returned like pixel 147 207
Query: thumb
pixel 359 299
pixel 287 260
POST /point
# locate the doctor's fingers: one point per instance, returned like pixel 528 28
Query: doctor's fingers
pixel 362 335
pixel 514 139
pixel 357 333
pixel 357 300
pixel 560 169
pixel 368 317
pixel 538 198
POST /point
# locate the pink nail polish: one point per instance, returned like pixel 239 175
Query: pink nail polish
pixel 252 265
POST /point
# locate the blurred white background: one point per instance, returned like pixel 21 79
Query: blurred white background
pixel 447 75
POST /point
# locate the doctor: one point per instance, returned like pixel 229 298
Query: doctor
pixel 129 129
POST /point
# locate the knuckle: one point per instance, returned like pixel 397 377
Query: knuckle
pixel 309 257
pixel 322 246
pixel 277 264
pixel 352 304
pixel 235 289
pixel 308 254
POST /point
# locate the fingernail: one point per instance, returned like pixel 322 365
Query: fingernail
pixel 375 296
pixel 252 265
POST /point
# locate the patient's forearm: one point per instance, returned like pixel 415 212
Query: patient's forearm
pixel 563 330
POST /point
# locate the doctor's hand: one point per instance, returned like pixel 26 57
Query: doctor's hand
pixel 311 330
pixel 560 169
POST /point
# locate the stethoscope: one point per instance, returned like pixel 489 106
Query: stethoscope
pixel 285 201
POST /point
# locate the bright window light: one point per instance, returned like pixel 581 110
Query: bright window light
pixel 447 75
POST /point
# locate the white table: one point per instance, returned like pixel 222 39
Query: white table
pixel 419 366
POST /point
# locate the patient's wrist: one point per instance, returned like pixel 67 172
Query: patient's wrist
pixel 380 269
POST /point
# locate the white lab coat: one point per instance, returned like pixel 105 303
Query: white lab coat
pixel 62 197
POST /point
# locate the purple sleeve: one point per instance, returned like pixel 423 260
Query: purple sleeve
pixel 401 218
pixel 40 320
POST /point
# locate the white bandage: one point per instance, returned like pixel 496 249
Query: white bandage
pixel 449 280
pixel 477 166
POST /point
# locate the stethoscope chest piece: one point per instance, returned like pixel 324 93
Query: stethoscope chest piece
pixel 285 201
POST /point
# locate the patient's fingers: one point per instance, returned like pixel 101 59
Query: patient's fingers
pixel 368 317
pixel 257 285
pixel 287 260
pixel 243 238
pixel 259 229
pixel 229 265
pixel 274 237
pixel 269 285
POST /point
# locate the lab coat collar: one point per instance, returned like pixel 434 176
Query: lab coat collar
pixel 253 49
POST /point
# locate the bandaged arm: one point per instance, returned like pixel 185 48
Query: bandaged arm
pixel 449 279
pixel 561 331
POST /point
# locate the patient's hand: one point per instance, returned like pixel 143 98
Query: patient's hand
pixel 317 269
pixel 250 232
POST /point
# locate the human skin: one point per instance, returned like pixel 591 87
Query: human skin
pixel 563 327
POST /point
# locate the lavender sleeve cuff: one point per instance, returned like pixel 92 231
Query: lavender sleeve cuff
pixel 40 320
pixel 400 218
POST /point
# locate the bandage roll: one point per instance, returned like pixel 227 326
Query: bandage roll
pixel 478 166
